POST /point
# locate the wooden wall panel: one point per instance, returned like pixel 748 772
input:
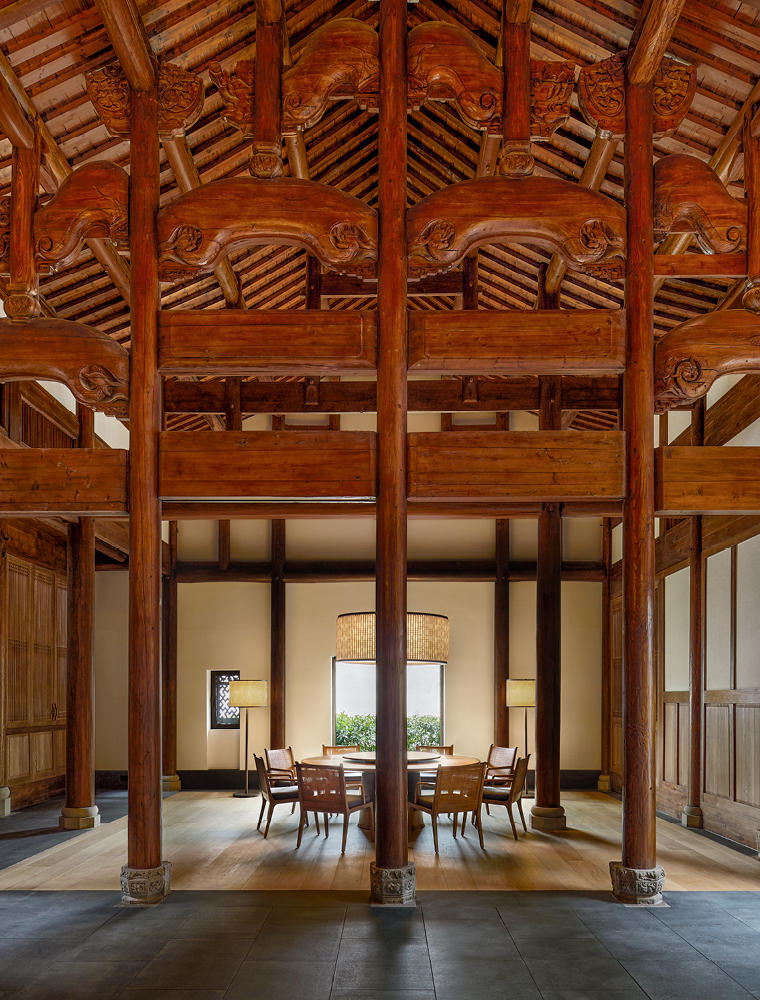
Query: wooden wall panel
pixel 43 638
pixel 718 750
pixel 41 746
pixel 18 682
pixel 19 757
pixel 683 743
pixel 748 754
pixel 670 742
pixel 61 647
pixel 708 483
pixel 59 750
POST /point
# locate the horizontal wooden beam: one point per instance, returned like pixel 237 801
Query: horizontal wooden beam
pixel 339 286
pixel 208 465
pixel 544 342
pixel 445 396
pixel 707 480
pixel 276 342
pixel 551 466
pixel 700 265
pixel 63 481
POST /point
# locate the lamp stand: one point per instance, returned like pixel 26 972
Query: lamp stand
pixel 525 745
pixel 246 794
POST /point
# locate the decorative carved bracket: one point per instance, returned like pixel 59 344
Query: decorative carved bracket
pixel 691 356
pixel 93 201
pixel 582 226
pixel 93 366
pixel 5 234
pixel 180 99
pixel 689 197
pixel 197 229
pixel 601 94
pixel 551 87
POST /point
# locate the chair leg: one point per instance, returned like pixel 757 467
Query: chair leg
pixel 269 819
pixel 300 829
pixel 435 832
pixel 293 809
pixel 327 825
pixel 464 822
pixel 488 810
pixel 263 807
pixel 522 815
pixel 456 823
pixel 372 824
pixel 345 832
pixel 480 833
pixel 316 820
pixel 512 819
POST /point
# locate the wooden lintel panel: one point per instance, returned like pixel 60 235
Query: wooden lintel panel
pixel 63 481
pixel 287 341
pixel 551 466
pixel 707 480
pixel 701 265
pixel 544 342
pixel 216 465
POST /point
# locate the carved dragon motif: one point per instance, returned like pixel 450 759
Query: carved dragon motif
pixel 180 99
pixel 583 226
pixel 5 233
pixel 601 94
pixel 93 201
pixel 93 366
pixel 196 229
pixel 551 87
pixel 689 197
pixel 690 357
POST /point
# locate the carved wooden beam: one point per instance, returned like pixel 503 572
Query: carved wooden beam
pixel 751 294
pixel 247 464
pixel 127 34
pixel 690 357
pixel 272 342
pixel 13 120
pixel 72 481
pixel 551 466
pixel 202 225
pixel 93 366
pixel 516 156
pixel 22 302
pixel 651 38
pixel 548 342
pixel 702 481
pixel 266 157
pixel 583 227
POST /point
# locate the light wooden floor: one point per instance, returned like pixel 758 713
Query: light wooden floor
pixel 210 838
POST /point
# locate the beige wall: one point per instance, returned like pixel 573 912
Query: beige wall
pixel 110 660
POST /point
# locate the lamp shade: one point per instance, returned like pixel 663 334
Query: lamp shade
pixel 521 693
pixel 427 637
pixel 248 694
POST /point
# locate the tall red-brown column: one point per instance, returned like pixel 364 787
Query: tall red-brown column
pixel 547 812
pixel 145 878
pixel 80 811
pixel 392 877
pixel 692 813
pixel 638 878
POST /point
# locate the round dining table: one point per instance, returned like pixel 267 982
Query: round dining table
pixel 365 761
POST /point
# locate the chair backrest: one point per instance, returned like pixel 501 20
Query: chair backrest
pixel 281 759
pixel 261 771
pixel 321 788
pixel 338 751
pixel 444 751
pixel 501 760
pixel 459 788
pixel 518 782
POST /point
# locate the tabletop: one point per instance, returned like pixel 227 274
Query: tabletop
pixel 416 761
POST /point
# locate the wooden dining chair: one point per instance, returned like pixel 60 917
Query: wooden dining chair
pixel 272 795
pixel 353 778
pixel 510 795
pixel 458 789
pixel 428 777
pixel 322 789
pixel 281 765
pixel 501 764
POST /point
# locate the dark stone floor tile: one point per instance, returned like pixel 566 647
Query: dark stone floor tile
pixel 484 979
pixel 228 921
pixel 305 943
pixel 372 922
pixel 112 944
pixel 684 980
pixel 547 928
pixel 135 993
pixel 19 957
pixel 389 967
pixel 80 979
pixel 585 967
pixel 456 908
pixel 629 993
pixel 469 939
pixel 196 963
pixel 277 980
pixel 744 968
pixel 384 995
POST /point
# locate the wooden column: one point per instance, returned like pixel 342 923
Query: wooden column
pixel 603 783
pixel 547 812
pixel 266 159
pixel 638 879
pixel 277 637
pixel 145 878
pixel 516 157
pixel 170 779
pixel 392 877
pixel 22 302
pixel 692 813
pixel 80 811
pixel 233 419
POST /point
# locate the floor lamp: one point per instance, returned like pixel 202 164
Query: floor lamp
pixel 521 693
pixel 245 695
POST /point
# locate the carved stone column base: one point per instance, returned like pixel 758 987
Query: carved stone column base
pixel 171 783
pixel 79 818
pixel 548 818
pixel 393 886
pixel 637 885
pixel 603 784
pixel 5 801
pixel 692 817
pixel 146 885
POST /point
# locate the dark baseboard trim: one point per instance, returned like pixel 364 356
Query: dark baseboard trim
pixel 108 781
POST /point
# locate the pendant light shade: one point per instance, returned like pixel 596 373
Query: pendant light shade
pixel 427 637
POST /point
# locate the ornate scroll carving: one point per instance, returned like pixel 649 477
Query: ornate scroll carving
pixel 551 86
pixel 447 63
pixel 180 99
pixel 93 201
pixel 691 356
pixel 583 227
pixel 689 197
pixel 601 94
pixel 5 234
pixel 198 228
pixel 90 363
pixel 236 90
